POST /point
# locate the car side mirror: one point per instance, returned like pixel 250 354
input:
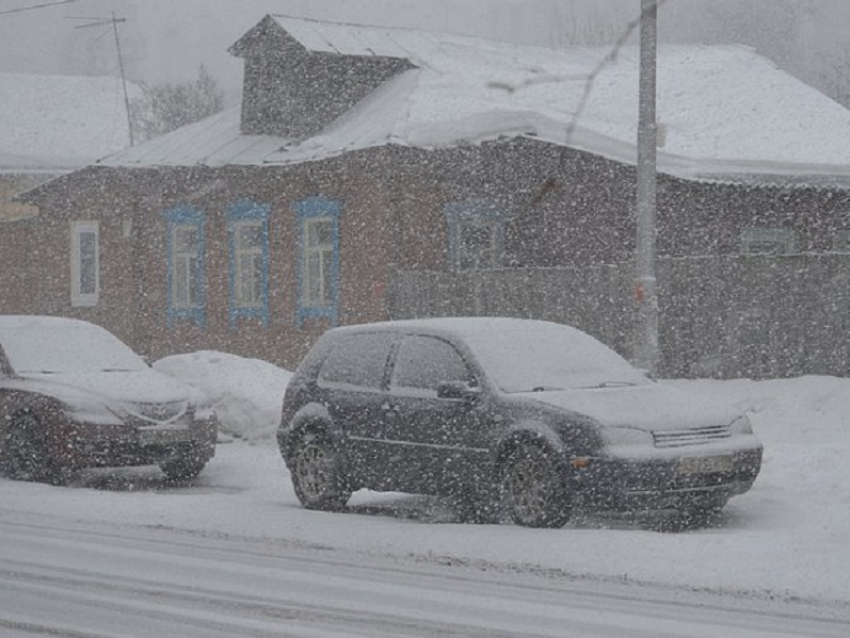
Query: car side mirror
pixel 457 390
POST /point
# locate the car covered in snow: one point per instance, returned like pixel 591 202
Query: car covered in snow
pixel 73 396
pixel 510 417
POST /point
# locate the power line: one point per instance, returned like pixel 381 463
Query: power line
pixel 36 6
pixel 114 22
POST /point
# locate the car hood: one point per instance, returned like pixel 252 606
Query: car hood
pixel 650 407
pixel 118 391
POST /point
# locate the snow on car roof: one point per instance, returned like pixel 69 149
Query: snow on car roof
pixel 524 354
pixel 56 344
pixel 38 321
pixel 463 326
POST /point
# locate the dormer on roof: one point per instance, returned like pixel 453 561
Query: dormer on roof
pixel 301 75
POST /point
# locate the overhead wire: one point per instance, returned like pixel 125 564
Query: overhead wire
pixel 36 6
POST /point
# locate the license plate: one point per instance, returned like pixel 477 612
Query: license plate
pixel 164 436
pixel 705 464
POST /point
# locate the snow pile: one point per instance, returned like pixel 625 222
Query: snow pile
pixel 246 393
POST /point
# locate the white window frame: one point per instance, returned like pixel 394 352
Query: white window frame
pixel 255 254
pixel 324 297
pixel 185 268
pixel 79 296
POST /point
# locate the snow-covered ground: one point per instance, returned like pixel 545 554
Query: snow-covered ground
pixel 786 539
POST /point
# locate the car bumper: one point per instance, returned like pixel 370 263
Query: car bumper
pixel 670 482
pixel 79 445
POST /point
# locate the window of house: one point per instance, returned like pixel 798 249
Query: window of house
pixel 318 294
pixel 186 290
pixel 185 248
pixel 768 241
pixel 85 263
pixel 476 232
pixel 248 230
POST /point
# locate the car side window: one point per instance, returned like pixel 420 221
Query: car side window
pixel 424 363
pixel 358 360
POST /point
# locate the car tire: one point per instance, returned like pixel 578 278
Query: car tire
pixel 185 466
pixel 535 489
pixel 26 455
pixel 317 472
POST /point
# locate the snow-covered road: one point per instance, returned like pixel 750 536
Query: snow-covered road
pixel 76 580
pixel 125 555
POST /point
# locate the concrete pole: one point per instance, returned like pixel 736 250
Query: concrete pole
pixel 115 22
pixel 645 285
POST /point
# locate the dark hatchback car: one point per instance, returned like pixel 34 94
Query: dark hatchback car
pixel 526 418
pixel 73 396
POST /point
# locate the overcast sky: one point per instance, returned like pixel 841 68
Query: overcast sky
pixel 166 40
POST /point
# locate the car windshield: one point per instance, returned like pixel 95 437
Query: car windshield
pixel 548 356
pixel 65 347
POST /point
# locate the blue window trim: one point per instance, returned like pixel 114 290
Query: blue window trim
pixel 186 216
pixel 306 209
pixel 248 210
pixel 477 209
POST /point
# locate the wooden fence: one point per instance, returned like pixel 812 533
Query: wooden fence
pixel 725 317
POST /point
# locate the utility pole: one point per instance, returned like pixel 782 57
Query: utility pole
pixel 645 285
pixel 114 22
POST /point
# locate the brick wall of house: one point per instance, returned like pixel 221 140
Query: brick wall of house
pixel 565 209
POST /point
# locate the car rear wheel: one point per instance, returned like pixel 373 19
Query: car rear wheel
pixel 317 473
pixel 27 457
pixel 535 490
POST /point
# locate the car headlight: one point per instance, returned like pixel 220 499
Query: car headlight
pixel 741 425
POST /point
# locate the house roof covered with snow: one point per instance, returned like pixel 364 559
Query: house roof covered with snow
pixel 722 110
pixel 52 123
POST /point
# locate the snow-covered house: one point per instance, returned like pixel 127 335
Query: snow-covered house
pixel 359 152
pixel 50 125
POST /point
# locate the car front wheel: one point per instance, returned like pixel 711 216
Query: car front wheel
pixel 317 473
pixel 535 490
pixel 26 456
